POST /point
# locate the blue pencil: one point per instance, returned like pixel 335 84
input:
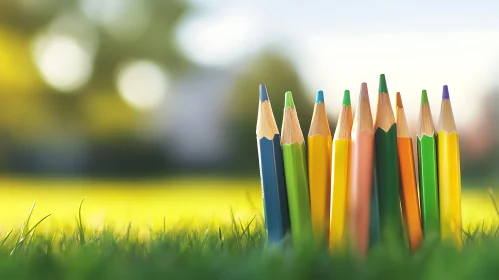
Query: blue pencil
pixel 275 200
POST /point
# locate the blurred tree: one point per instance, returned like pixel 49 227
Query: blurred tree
pixel 108 34
pixel 279 74
pixel 121 30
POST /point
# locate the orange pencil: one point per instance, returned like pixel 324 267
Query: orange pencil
pixel 409 193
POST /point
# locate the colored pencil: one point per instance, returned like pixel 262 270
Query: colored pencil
pixel 409 192
pixel 374 227
pixel 319 168
pixel 387 170
pixel 339 172
pixel 295 170
pixel 275 201
pixel 449 173
pixel 360 175
pixel 428 176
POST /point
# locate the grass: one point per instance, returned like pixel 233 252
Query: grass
pixel 236 251
pixel 187 202
pixel 233 247
pixel 155 204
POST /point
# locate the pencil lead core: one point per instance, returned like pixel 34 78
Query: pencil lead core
pixel 363 90
pixel 320 97
pixel 382 84
pixel 399 101
pixel 263 93
pixel 445 93
pixel 346 98
pixel 288 100
pixel 424 97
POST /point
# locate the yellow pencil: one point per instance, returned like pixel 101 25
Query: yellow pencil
pixel 319 168
pixel 449 174
pixel 339 180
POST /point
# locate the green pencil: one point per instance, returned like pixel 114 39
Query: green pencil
pixel 295 171
pixel 387 170
pixel 374 208
pixel 428 177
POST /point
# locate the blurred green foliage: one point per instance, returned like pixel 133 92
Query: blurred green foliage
pixel 113 136
pixel 279 74
pixel 95 108
pixel 36 117
pixel 95 117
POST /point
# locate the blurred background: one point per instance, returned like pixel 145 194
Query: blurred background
pixel 139 90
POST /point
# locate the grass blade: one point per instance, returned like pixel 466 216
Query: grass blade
pixel 81 229
pixel 492 197
pixel 5 238
pixel 20 241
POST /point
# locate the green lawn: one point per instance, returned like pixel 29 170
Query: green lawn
pixel 237 251
pixel 69 244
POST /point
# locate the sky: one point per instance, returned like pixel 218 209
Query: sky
pixel 337 45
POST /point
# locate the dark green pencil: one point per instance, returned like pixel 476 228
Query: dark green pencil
pixel 387 170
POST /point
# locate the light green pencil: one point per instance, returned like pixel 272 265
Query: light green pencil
pixel 295 171
pixel 428 175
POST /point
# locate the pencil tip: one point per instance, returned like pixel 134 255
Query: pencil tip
pixel 346 98
pixel 424 97
pixel 288 100
pixel 263 93
pixel 382 84
pixel 320 97
pixel 363 90
pixel 399 101
pixel 445 93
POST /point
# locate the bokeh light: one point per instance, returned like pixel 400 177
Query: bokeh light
pixel 143 84
pixel 62 61
pixel 224 38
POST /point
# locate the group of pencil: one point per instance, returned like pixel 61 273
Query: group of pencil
pixel 360 186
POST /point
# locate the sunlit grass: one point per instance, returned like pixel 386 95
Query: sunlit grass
pixel 233 251
pixel 145 204
pixel 202 229
pixel 156 204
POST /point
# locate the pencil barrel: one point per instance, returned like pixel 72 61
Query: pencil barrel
pixel 295 171
pixel 449 175
pixel 388 183
pixel 359 189
pixel 374 219
pixel 409 193
pixel 319 175
pixel 339 192
pixel 428 184
pixel 275 202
